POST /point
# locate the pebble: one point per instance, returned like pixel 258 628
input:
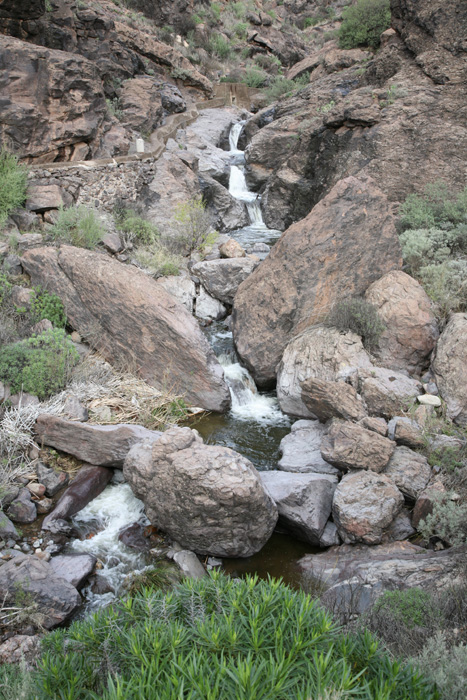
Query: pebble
pixel 42 555
pixel 429 400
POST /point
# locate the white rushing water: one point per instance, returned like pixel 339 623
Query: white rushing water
pixel 103 518
pixel 234 135
pixel 237 183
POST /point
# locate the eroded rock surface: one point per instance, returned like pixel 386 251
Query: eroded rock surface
pixel 450 368
pixel 350 446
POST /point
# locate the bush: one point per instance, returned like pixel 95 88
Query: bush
pixel 446 285
pixel 219 46
pixel 445 665
pixel 359 316
pixel 283 87
pixel 437 205
pixel 78 226
pixel 47 305
pixel 135 228
pixel 190 227
pixel 241 30
pixel 158 260
pixel 448 520
pixel 255 78
pixel 13 184
pixel 40 365
pixel 363 23
pixel 219 639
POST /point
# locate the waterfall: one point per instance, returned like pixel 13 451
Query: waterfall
pixel 237 183
pixel 234 135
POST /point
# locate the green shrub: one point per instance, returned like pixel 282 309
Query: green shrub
pixel 448 520
pixel 437 205
pixel 135 228
pixel 283 87
pixel 78 226
pixel 158 260
pixel 446 285
pixel 255 78
pixel 48 305
pixel 5 288
pixel 445 665
pixel 219 639
pixel 241 30
pixel 13 184
pixel 363 23
pixel 190 227
pixel 220 46
pixel 409 607
pixel 239 9
pixel 359 316
pixel 40 365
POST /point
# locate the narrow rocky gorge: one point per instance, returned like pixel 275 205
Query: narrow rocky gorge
pixel 213 398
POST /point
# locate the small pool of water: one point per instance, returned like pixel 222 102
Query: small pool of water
pixel 278 558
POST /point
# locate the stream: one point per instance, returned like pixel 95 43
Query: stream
pixel 254 427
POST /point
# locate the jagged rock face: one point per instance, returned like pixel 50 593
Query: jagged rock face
pixel 51 100
pixel 132 318
pixel 21 9
pixel 450 368
pixel 345 243
pixel 208 498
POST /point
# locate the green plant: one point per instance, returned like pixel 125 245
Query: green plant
pixel 220 46
pixel 48 305
pixel 283 87
pixel 324 109
pixel 113 106
pixel 446 285
pixel 40 365
pixel 13 183
pixel 241 30
pixel 78 226
pixel 448 520
pixel 158 260
pixel 239 9
pixel 190 227
pixel 181 73
pixel 216 10
pixel 156 577
pixel 363 23
pixel 135 228
pixel 220 639
pixel 359 316
pixel 445 665
pixel 438 204
pixel 255 78
pixel 409 607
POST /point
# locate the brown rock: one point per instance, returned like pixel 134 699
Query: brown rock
pixel 52 99
pixel 411 330
pixel 449 367
pixel 365 504
pixel 407 432
pixel 134 319
pixel 41 197
pixel 113 243
pixel 409 470
pixel 386 392
pixel 103 445
pixel 349 446
pixel 337 251
pixel 377 425
pixel 332 400
pixel 231 249
pixel 89 482
pixel 20 649
pixel 222 278
pixel 425 501
pixel 321 352
pixel 141 104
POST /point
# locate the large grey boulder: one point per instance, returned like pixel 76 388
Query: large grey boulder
pixel 133 319
pixel 303 501
pixel 387 392
pixel 74 568
pixel 54 598
pixel 328 400
pixel 320 352
pixel 222 277
pixel 345 243
pixel 449 368
pixel 301 449
pixel 364 505
pixel 350 446
pixel 102 445
pixel 358 575
pixel 208 498
pixel 409 471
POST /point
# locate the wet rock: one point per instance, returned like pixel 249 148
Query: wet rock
pixel 365 504
pixel 89 482
pixel 386 392
pixel 320 352
pixel 22 509
pixel 317 262
pixel 301 449
pixel 449 368
pixel 228 512
pixel 303 501
pixel 7 529
pixel 411 329
pixel 349 446
pixel 56 599
pixel 327 400
pixel 103 445
pixel 133 536
pixel 189 564
pixel 74 568
pixel 221 278
pixel 53 480
pixel 100 585
pixel 148 327
pixel 358 575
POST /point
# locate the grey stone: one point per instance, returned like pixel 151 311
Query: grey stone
pixel 74 409
pixel 409 470
pixel 22 509
pixel 301 449
pixel 449 368
pixel 350 446
pixel 303 501
pixel 326 400
pixel 222 277
pixel 7 529
pixel 330 536
pixel 208 308
pixel 74 568
pixel 387 392
pixel 53 480
pixel 189 564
